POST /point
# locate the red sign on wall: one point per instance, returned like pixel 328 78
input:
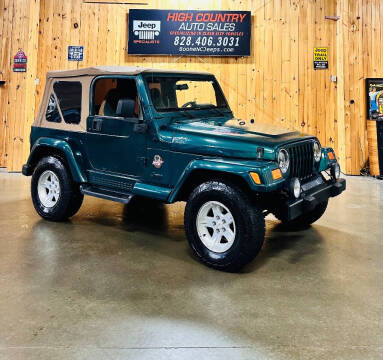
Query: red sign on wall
pixel 20 62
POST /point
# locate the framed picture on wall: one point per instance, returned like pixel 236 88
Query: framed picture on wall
pixel 374 98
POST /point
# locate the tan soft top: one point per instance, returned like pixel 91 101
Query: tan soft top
pixel 109 70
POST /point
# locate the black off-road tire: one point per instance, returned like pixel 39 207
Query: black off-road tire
pixel 76 202
pixel 305 220
pixel 70 198
pixel 249 223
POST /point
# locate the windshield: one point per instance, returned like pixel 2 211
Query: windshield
pixel 180 93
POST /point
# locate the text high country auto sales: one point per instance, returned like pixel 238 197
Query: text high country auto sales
pixel 206 20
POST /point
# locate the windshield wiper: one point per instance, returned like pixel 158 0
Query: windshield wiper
pixel 212 107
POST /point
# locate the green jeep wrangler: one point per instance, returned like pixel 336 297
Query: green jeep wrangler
pixel 120 132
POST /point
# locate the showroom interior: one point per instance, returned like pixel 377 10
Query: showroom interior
pixel 84 277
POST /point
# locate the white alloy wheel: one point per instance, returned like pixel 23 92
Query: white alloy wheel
pixel 216 226
pixel 48 188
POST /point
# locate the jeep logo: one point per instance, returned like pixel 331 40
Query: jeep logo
pixel 146 29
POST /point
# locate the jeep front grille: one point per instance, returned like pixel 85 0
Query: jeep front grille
pixel 301 159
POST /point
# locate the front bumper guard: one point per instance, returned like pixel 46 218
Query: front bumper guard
pixel 27 170
pixel 309 200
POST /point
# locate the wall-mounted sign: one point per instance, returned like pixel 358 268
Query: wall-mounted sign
pixel 320 58
pixel 374 98
pixel 189 32
pixel 75 53
pixel 20 62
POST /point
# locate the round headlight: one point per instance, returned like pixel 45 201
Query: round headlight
pixel 283 160
pixel 295 187
pixel 335 171
pixel 317 151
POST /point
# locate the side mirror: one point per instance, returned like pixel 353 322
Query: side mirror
pixel 125 108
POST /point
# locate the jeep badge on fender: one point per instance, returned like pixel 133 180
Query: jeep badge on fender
pixel 120 132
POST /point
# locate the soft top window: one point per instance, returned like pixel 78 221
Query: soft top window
pixel 68 94
pixel 107 92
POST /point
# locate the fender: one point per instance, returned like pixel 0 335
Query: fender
pixel 325 162
pixel 240 168
pixel 77 173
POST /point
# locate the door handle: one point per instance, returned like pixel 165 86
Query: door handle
pixel 97 124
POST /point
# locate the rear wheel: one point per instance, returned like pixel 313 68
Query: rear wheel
pixel 54 194
pixel 224 229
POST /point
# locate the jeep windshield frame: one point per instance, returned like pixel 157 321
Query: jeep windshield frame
pixel 173 84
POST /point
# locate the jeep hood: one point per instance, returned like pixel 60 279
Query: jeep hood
pixel 229 139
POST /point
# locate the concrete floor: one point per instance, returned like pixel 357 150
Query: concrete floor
pixel 119 283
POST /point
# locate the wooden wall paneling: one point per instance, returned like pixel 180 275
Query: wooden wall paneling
pixel 251 98
pixel 10 124
pixel 8 16
pixel 353 49
pixel 259 58
pixel 373 147
pixel 17 86
pixel 5 63
pixel 348 90
pixel 44 52
pixel 242 74
pixel 100 36
pixel 304 68
pixel 376 34
pixel 2 77
pixel 294 63
pixel 320 74
pixel 285 96
pixel 111 34
pixel 275 70
pixel 66 27
pixel 361 158
pixel 330 87
pixel 41 53
pixel 367 41
pixel 312 88
pixel 267 109
pixel 340 110
pixel 76 30
pixel 30 86
pixel 56 40
pixel 85 32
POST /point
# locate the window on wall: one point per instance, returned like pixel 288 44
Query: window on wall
pixel 52 114
pixel 68 94
pixel 108 91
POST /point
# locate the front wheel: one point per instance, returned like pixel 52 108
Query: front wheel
pixel 224 229
pixel 54 194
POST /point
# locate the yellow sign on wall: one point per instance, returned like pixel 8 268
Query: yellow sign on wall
pixel 320 58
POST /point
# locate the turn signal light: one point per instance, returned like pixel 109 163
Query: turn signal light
pixel 255 177
pixel 331 155
pixel 276 173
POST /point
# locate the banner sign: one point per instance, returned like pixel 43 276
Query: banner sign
pixel 320 58
pixel 374 98
pixel 20 62
pixel 75 53
pixel 189 32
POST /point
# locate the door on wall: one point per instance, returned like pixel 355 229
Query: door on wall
pixel 113 145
